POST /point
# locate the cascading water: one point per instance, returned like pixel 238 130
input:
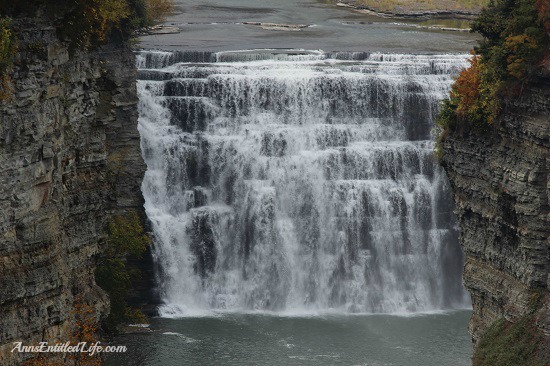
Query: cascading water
pixel 298 181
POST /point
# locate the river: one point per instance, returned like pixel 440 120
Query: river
pixel 247 339
pixel 216 25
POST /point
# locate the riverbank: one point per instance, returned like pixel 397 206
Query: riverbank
pixel 403 9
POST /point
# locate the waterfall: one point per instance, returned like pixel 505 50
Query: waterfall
pixel 298 181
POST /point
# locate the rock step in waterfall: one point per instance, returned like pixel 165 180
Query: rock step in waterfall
pixel 298 181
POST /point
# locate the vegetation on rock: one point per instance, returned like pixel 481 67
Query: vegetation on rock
pixel 90 23
pixel 85 24
pixel 515 42
pixel 126 240
pixel 509 344
pixel 7 53
pixel 513 344
pixel 84 328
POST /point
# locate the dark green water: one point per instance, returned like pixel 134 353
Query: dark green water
pixel 253 339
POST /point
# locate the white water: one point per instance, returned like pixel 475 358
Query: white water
pixel 298 182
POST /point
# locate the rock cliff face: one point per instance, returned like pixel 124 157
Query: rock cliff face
pixel 501 186
pixel 67 137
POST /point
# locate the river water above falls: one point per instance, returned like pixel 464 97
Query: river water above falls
pixel 222 25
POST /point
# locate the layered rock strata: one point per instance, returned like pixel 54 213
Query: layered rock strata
pixel 501 186
pixel 69 157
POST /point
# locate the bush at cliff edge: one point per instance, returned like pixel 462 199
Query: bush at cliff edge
pixel 512 53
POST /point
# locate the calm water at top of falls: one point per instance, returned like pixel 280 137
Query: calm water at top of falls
pixel 217 25
pixel 298 214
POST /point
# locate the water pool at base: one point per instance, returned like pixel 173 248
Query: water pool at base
pixel 260 339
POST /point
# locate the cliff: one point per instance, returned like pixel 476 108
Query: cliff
pixel 500 185
pixel 72 119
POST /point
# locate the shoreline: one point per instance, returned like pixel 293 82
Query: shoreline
pixel 419 15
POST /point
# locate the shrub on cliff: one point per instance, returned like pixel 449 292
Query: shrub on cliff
pixel 515 41
pixel 7 53
pixel 84 327
pixel 148 12
pixel 89 23
pixel 519 343
pixel 126 240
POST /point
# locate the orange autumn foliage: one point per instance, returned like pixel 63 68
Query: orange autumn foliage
pixel 466 90
pixel 84 328
pixel 513 52
pixel 42 360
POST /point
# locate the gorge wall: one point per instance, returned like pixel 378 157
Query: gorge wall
pixel 500 186
pixel 70 124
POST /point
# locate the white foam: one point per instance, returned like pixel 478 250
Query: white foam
pixel 312 197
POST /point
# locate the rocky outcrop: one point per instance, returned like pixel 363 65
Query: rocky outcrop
pixel 69 157
pixel 501 186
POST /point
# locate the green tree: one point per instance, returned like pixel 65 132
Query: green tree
pixel 90 23
pixel 126 240
pixel 515 43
